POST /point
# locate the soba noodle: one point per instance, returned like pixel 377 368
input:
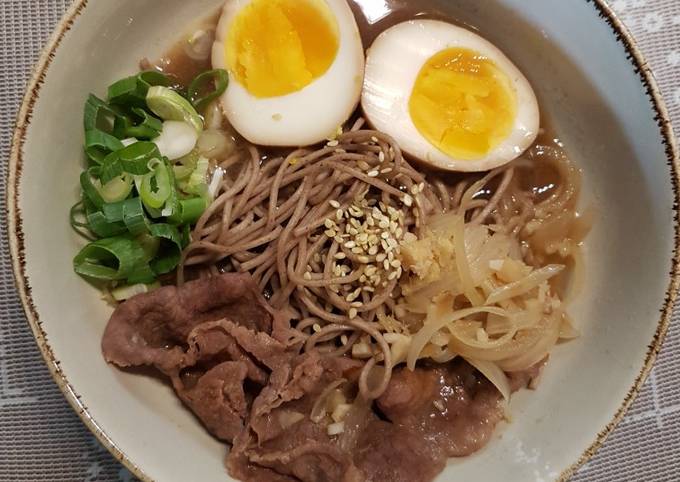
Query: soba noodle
pixel 321 232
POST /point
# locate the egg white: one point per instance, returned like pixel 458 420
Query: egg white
pixel 309 115
pixel 392 67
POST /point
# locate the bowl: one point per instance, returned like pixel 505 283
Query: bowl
pixel 595 89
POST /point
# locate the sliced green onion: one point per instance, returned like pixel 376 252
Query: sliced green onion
pixel 100 225
pixel 98 144
pixel 190 210
pixel 220 80
pixel 111 167
pixel 186 165
pixel 87 184
pixel 113 259
pixel 170 251
pixel 147 128
pixel 198 181
pixel 150 244
pixel 117 189
pixel 132 91
pixel 155 188
pixel 177 139
pixel 135 157
pixel 81 228
pixel 170 106
pixel 98 115
pixel 134 217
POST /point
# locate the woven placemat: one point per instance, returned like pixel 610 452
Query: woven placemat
pixel 41 438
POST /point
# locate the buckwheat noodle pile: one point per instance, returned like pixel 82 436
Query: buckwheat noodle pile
pixel 331 237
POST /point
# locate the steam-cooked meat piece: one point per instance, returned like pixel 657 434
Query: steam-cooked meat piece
pixel 208 336
pixel 387 452
pixel 281 435
pixel 450 405
pixel 152 328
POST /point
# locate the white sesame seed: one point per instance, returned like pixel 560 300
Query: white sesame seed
pixel 387 170
pixel 350 244
pixel 316 327
pixel 340 255
pixel 374 139
pixel 352 313
pixel 395 263
pixel 386 265
pixel 373 250
pixel 363 278
pixel 357 250
pixel 338 215
pixel 414 189
pixel 399 232
pixel 353 231
pixel 408 200
pixel 363 165
pixel 338 239
pixel 333 143
pixel 381 156
pixel 373 173
pixel 370 270
pixel 307 275
pixel 381 257
pixel 357 304
pixel 392 276
pixel 334 203
pixel 390 256
pixel 421 187
pixel 363 259
pixel 384 235
pixel 329 224
pixel 330 233
pixel 343 339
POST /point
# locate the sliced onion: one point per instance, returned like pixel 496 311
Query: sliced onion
pixel 538 351
pixel 524 285
pixel 319 410
pixel 494 374
pixel 462 263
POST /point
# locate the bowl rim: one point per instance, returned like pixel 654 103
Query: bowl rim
pixel 17 248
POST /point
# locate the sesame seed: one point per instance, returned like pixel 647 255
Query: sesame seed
pixel 373 173
pixel 390 256
pixel 340 255
pixel 334 203
pixel 381 156
pixel 370 270
pixel 332 143
pixel 357 304
pixel 414 189
pixel 330 233
pixel 374 139
pixel 338 215
pixel 373 250
pixel 421 187
pixel 408 200
pixel 363 165
pixel 307 275
pixel 392 276
pixel 399 232
pixel 329 224
pixel 343 339
pixel 316 327
pixel 395 263
pixel 387 170
pixel 384 224
pixel 338 239
pixel 363 259
pixel 350 244
pixel 353 231
pixel 381 257
pixel 386 265
pixel 357 250
pixel 352 313
pixel 363 278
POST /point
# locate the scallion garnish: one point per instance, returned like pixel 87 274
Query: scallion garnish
pixel 134 212
pixel 199 92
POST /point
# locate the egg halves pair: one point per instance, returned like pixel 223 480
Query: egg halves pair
pixel 297 72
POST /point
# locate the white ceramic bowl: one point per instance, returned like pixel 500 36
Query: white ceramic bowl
pixel 602 99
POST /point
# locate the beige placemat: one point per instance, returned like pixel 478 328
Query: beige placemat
pixel 42 439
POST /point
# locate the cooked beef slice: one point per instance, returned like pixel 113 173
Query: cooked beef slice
pixel 282 437
pixel 450 405
pixel 208 336
pixel 152 328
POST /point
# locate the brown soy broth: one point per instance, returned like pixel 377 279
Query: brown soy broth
pixel 374 17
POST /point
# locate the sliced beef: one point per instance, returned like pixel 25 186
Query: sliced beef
pixel 210 337
pixel 450 405
pixel 281 436
pixel 152 328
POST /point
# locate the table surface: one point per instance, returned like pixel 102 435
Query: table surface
pixel 41 438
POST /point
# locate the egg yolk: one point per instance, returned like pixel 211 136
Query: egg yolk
pixel 462 103
pixel 277 47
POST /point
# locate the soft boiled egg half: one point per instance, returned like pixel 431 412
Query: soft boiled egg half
pixel 449 97
pixel 295 68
